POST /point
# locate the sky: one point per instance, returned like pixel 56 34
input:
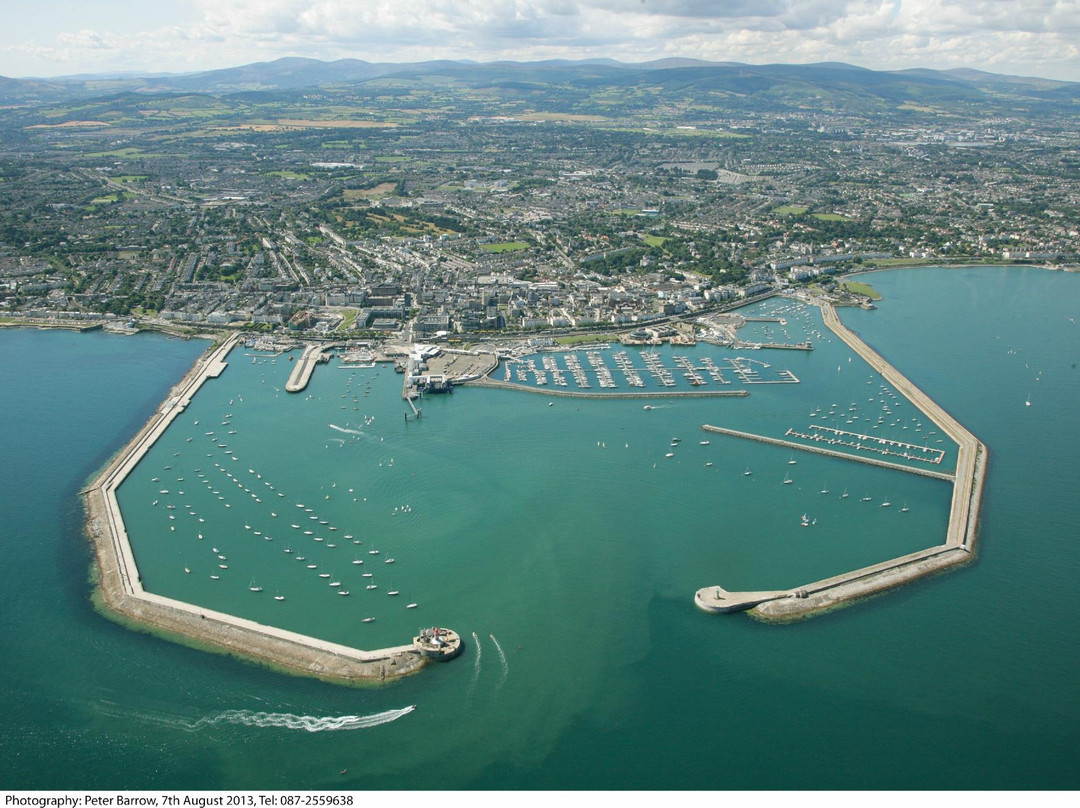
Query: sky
pixel 47 38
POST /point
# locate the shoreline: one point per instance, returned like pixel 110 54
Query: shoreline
pixel 119 588
pixel 842 590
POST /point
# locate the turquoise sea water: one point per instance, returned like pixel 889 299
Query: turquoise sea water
pixel 566 540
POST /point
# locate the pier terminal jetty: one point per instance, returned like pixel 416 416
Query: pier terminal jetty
pixel 301 372
pixel 840 590
pixel 122 595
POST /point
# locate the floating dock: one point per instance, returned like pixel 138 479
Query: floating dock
pixel 840 590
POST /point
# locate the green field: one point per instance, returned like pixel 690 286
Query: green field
pixel 790 210
pixel 504 246
pixel 859 288
pixel 830 217
pixel 654 241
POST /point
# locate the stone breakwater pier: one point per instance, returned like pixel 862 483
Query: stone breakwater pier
pixel 301 373
pixel 840 590
pixel 121 591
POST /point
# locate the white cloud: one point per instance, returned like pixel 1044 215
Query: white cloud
pixel 1033 36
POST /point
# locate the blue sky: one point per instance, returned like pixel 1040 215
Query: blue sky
pixel 63 37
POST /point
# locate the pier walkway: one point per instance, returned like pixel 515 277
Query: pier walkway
pixel 301 373
pixel 960 538
pixel 122 591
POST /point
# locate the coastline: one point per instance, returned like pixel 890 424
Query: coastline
pixel 119 593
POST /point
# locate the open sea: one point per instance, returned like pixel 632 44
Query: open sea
pixel 564 539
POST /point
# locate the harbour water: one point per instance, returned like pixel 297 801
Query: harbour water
pixel 565 545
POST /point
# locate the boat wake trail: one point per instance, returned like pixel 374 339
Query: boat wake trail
pixel 345 429
pixel 308 723
pixel 502 658
pixel 476 664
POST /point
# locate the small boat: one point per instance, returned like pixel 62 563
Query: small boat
pixel 866 499
pixel 824 489
pixel 747 473
pixel 703 443
pixel 905 509
pixel 792 461
pixel 368 620
pixel 373 552
pixel 186 569
pixel 886 504
pixel 670 454
pixel 288 549
pixel 412 606
pixel 343 591
pixel 357 561
pixel 255 588
pixel 372 586
pixel 366 575
pixel 279 597
pixel 324 575
pixel 787 480
pixel 844 495
pixel 393 592
pixel 389 561
pixel 215 577
pixel 223 566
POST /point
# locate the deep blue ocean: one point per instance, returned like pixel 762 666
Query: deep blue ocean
pixel 564 538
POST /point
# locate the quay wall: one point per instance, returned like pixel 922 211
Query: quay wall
pixel 122 595
pixel 960 539
pixel 871 461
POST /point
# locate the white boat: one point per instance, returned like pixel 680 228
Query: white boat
pixel 254 588
pixel 279 597
pixel 343 591
pixel 372 586
pixel 703 443
pixel 905 509
pixel 412 606
pixel 787 480
pixel 368 620
pixel 747 473
pixel 393 592
pixel 389 561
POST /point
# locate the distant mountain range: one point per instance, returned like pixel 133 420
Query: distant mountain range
pixel 776 85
